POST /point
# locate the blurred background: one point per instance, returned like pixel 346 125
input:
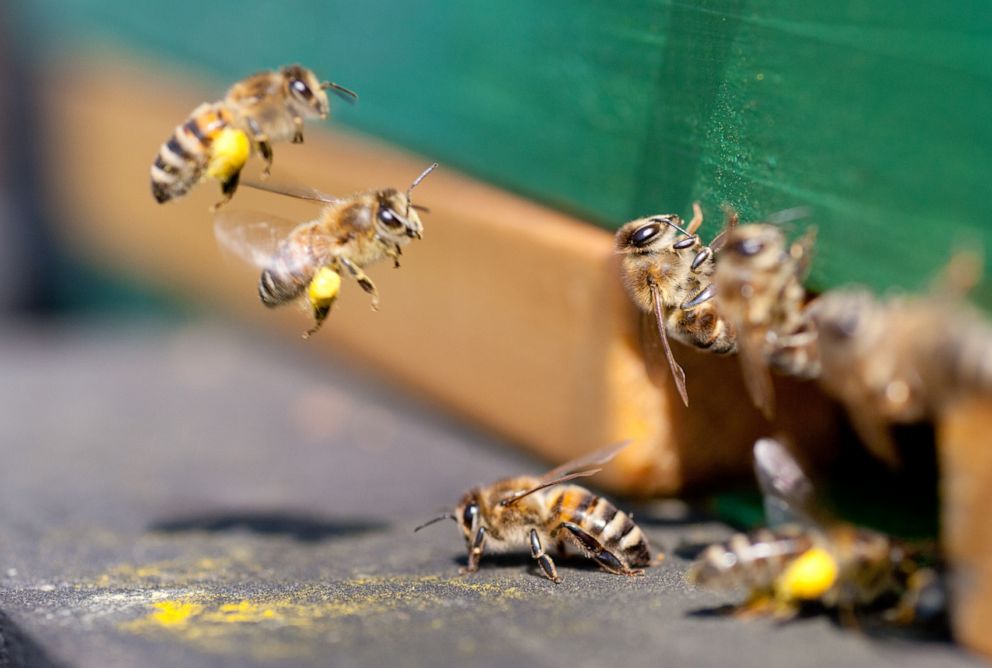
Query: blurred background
pixel 132 346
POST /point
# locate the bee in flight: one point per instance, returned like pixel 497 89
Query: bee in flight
pixel 759 280
pixel 543 511
pixel 218 137
pixel 806 557
pixel 309 258
pixel 668 273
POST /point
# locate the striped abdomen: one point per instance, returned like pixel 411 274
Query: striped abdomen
pixel 753 561
pixel 287 275
pixel 603 521
pixel 182 159
pixel 702 327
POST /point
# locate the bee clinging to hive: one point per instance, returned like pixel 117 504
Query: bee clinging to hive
pixel 308 259
pixel 218 137
pixel 544 511
pixel 759 287
pixel 668 273
pixel 902 359
pixel 809 557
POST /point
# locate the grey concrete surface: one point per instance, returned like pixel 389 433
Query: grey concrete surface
pixel 189 495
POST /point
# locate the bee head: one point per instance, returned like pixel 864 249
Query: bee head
pixel 756 244
pixel 305 92
pixel 394 220
pixel 396 217
pixel 843 317
pixel 469 515
pixel 642 235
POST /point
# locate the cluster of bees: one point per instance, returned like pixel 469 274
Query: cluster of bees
pixel 888 361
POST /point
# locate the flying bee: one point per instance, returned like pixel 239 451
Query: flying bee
pixel 308 259
pixel 807 557
pixel 759 279
pixel 543 511
pixel 217 138
pixel 668 273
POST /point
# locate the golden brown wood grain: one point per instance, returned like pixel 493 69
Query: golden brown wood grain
pixel 965 449
pixel 508 312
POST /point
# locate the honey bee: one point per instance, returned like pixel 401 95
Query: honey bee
pixel 810 558
pixel 668 273
pixel 218 137
pixel 542 511
pixel 900 360
pixel 759 280
pixel 349 234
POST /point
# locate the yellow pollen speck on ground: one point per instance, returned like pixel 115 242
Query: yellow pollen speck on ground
pixel 174 613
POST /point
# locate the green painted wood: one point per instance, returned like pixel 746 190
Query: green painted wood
pixel 874 114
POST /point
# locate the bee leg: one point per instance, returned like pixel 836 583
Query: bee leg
pixel 363 280
pixel 537 551
pixel 606 559
pixel 475 551
pixel 227 189
pixel 265 148
pixel 394 252
pixel 759 604
pixel 298 137
pixel 319 316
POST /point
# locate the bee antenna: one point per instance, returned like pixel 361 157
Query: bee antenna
pixel 416 182
pixel 446 516
pixel 668 222
pixel 346 93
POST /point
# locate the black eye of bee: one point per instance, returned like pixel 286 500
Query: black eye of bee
pixel 748 247
pixel 389 219
pixel 470 514
pixel 301 89
pixel 645 233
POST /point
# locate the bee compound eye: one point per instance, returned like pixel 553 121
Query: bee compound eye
pixel 748 247
pixel 645 234
pixel 301 89
pixel 389 219
pixel 469 515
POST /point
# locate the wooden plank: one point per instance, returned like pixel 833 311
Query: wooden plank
pixel 508 312
pixel 875 115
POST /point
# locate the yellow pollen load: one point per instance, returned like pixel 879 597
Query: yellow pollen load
pixel 324 287
pixel 229 153
pixel 808 577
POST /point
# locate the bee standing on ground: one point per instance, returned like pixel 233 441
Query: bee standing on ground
pixel 759 280
pixel 810 557
pixel 218 137
pixel 668 273
pixel 542 511
pixel 309 258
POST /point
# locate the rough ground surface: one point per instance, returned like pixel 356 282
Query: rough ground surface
pixel 187 496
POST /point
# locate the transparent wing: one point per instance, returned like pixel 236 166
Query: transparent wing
pixel 289 188
pixel 787 493
pixel 251 236
pixel 581 467
pixel 754 368
pixel 678 373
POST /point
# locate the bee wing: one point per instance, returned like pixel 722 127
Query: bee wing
pixel 786 491
pixel 250 235
pixel 802 252
pixel 754 368
pixel 678 373
pixel 289 188
pixel 582 467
